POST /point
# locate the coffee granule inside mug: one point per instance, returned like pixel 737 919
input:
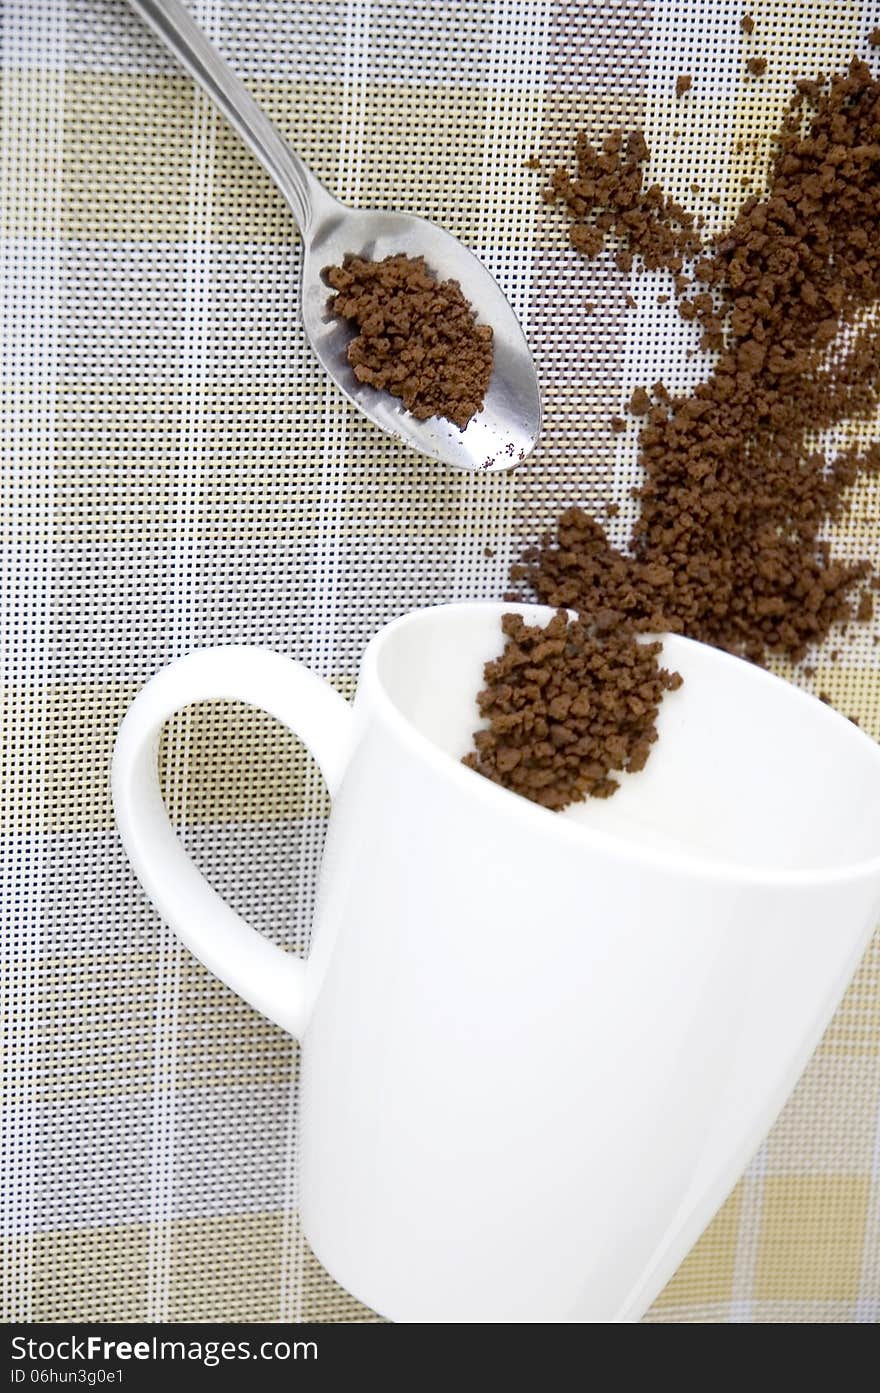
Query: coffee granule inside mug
pixel 567 705
pixel 417 337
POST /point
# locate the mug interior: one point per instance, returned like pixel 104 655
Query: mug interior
pixel 747 770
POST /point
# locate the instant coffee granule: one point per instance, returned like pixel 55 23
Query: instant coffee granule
pixel 568 705
pixel 607 197
pixel 727 546
pixel 417 337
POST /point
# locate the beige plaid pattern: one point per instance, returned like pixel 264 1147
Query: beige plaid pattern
pixel 178 473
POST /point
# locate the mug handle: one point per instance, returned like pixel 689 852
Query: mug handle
pixel 271 980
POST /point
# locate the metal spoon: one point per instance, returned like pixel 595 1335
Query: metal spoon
pixel 506 430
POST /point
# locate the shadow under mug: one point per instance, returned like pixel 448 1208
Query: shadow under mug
pixel 538 1048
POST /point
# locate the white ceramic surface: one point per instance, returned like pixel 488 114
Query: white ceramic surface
pixel 538 1049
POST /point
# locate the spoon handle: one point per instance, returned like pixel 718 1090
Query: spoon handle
pixel 180 34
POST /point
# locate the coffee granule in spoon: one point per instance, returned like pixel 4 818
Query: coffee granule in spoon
pixel 417 337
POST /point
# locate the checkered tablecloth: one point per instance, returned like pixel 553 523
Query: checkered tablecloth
pixel 177 472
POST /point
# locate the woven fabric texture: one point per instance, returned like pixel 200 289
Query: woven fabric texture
pixel 177 472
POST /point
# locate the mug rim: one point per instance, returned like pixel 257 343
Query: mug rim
pixel 535 819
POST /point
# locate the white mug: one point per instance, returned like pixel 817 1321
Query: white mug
pixel 538 1048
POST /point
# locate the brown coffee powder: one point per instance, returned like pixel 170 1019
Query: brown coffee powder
pixel 607 197
pixel 728 544
pixel 417 337
pixel 567 706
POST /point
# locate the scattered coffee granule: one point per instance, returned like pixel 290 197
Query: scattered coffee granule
pixel 757 66
pixel 567 706
pixel 533 163
pixel 631 303
pixel 589 306
pixel 874 38
pixel 662 299
pixel 865 611
pixel 607 196
pixel 683 84
pixel 639 402
pixel 417 336
pixel 618 424
pixel 728 543
pixel 810 88
pixel 727 546
pixel 637 148
pixel 747 24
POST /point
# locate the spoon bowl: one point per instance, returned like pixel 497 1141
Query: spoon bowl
pixel 497 437
pixel 506 430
